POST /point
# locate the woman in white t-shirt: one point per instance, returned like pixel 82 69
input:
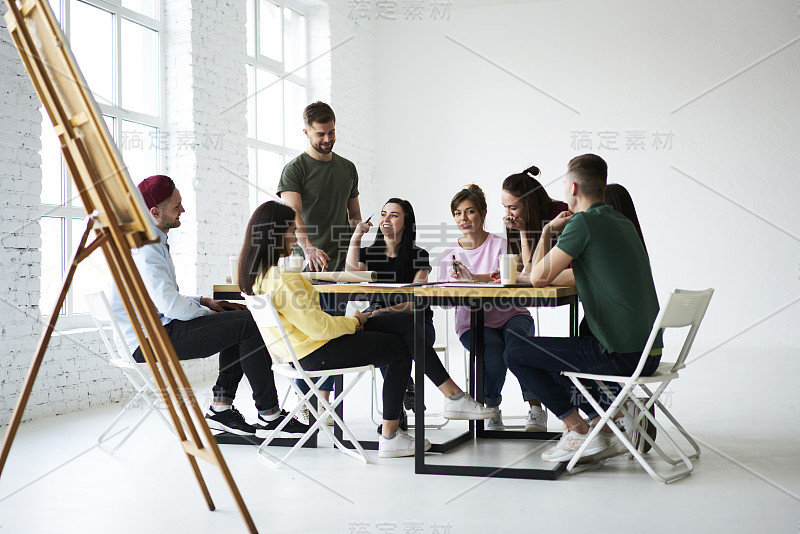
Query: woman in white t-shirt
pixel 475 257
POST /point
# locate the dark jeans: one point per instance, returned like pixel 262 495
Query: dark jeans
pixel 377 348
pixel 538 362
pixel 234 335
pixel 495 342
pixel 401 324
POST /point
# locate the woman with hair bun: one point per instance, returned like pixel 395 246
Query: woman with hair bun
pixel 528 208
pixel 473 257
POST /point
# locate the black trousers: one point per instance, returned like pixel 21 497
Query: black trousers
pixel 401 324
pixel 235 336
pixel 365 348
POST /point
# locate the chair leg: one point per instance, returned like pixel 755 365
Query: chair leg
pixel 374 404
pixel 304 400
pixel 605 415
pixel 657 403
pixel 150 408
pixel 330 409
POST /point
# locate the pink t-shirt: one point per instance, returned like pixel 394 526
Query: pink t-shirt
pixel 481 260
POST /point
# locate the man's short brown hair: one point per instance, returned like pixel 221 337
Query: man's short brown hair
pixel 590 172
pixel 318 112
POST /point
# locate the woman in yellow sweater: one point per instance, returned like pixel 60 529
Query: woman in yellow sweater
pixel 323 341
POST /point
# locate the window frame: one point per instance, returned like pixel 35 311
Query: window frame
pixel 71 206
pixel 277 68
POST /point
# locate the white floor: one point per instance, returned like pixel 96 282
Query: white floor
pixel 742 406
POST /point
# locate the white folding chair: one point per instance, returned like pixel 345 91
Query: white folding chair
pixel 120 357
pixel 683 308
pixel 266 316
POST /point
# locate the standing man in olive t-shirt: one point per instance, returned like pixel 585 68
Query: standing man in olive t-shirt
pixel 614 282
pixel 322 188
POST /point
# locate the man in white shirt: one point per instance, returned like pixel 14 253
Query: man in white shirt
pixel 200 327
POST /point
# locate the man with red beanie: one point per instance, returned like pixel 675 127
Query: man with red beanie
pixel 200 327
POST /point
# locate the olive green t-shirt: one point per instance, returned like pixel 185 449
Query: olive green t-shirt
pixel 613 277
pixel 325 186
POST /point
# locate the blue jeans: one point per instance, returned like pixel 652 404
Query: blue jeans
pixel 538 362
pixel 495 344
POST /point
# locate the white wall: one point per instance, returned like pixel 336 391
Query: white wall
pixel 449 114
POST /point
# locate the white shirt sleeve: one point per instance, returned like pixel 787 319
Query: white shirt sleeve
pixel 158 273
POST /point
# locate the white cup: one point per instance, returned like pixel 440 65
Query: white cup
pixel 508 268
pixel 293 263
pixel 234 262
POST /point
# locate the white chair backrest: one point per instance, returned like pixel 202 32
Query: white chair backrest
pixel 103 316
pixel 683 308
pixel 266 316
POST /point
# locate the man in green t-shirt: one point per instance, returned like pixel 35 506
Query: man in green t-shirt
pixel 612 273
pixel 322 188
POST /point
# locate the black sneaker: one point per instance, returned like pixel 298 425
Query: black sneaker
pixel 292 429
pixel 403 422
pixel 409 400
pixel 229 421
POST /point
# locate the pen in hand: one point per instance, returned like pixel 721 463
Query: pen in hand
pixel 455 267
pixel 368 218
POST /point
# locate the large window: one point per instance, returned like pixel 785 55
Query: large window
pixel 277 89
pixel 117 46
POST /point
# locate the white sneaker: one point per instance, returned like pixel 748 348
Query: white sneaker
pixel 401 445
pixel 495 423
pixel 613 447
pixel 568 445
pixel 304 415
pixel 537 420
pixel 467 408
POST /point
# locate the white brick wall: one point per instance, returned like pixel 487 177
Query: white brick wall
pixel 20 186
pixel 206 95
pixel 205 91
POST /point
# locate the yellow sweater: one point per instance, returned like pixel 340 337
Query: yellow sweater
pixel 297 302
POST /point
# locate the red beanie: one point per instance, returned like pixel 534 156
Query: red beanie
pixel 156 189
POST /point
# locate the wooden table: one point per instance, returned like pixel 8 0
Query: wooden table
pixel 477 298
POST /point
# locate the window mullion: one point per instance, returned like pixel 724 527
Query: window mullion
pixel 117 60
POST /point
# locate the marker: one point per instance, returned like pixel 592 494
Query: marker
pixel 455 267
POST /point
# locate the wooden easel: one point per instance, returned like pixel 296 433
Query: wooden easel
pixel 120 223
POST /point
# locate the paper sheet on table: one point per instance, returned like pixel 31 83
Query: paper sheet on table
pixel 341 276
pixel 482 284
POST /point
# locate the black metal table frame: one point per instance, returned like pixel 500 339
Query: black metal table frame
pixel 476 430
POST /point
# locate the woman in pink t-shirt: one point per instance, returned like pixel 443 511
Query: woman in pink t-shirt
pixel 476 255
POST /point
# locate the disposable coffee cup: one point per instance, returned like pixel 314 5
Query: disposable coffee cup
pixel 234 262
pixel 293 263
pixel 508 268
